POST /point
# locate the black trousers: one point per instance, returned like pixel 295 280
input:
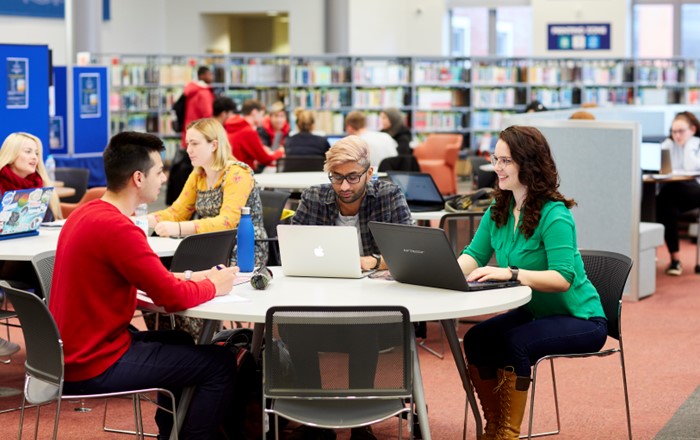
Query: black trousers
pixel 674 199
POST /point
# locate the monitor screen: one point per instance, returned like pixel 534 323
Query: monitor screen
pixel 333 139
pixel 417 187
pixel 650 157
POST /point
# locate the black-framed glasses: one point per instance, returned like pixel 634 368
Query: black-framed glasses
pixel 352 178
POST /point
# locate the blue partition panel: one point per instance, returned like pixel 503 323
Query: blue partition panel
pixel 24 99
pixel 91 161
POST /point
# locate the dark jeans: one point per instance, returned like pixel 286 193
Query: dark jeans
pixel 515 339
pixel 674 199
pixel 170 360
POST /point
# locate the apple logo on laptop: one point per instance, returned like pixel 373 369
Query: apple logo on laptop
pixel 318 251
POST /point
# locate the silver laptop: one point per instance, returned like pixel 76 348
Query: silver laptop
pixel 320 251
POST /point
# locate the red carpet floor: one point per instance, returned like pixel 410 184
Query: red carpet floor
pixel 662 343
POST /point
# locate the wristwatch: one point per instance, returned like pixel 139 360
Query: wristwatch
pixel 379 261
pixel 514 272
pixel 188 275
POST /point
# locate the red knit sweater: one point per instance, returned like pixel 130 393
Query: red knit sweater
pixel 101 259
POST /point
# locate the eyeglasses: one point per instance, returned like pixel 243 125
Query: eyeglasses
pixel 680 131
pixel 504 161
pixel 352 178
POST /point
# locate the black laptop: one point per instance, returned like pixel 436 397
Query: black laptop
pixel 420 190
pixel 423 256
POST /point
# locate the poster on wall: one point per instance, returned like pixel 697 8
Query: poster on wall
pixel 89 84
pixel 56 133
pixel 17 83
pixel 578 36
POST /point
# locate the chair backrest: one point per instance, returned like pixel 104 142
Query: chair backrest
pixel 481 178
pixel 43 266
pixel 204 251
pixel 608 271
pixel 460 228
pixel 332 352
pixel 406 162
pixel 436 146
pixel 273 203
pixel 76 178
pixel 91 194
pixel 42 344
pixel 300 163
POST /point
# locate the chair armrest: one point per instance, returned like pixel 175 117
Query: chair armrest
pixel 68 208
pixel 451 155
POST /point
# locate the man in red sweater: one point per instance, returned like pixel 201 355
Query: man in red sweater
pixel 101 259
pixel 246 145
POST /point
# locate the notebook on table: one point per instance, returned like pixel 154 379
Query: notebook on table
pixel 420 190
pixel 423 256
pixel 23 211
pixel 320 251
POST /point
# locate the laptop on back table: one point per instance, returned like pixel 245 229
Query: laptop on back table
pixel 23 211
pixel 423 256
pixel 420 190
pixel 320 251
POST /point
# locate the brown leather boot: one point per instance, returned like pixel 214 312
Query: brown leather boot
pixel 484 382
pixel 512 396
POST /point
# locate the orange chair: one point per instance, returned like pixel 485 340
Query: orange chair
pixel 438 157
pixel 91 194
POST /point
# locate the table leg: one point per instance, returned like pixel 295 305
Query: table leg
pixel 456 348
pixel 205 336
pixel 419 394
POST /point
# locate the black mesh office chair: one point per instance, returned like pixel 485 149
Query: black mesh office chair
pixel 319 365
pixel 289 164
pixel 43 381
pixel 608 271
pixel 273 203
pixel 76 178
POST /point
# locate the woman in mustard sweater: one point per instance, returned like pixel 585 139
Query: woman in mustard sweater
pixel 215 191
pixel 532 233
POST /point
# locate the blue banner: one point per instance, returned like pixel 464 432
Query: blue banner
pixel 42 8
pixel 578 36
pixel 89 95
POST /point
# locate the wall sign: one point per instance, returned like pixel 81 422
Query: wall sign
pixel 17 83
pixel 56 133
pixel 578 36
pixel 42 8
pixel 89 95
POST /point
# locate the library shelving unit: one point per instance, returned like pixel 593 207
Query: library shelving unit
pixel 322 84
pixel 441 91
pixel 468 95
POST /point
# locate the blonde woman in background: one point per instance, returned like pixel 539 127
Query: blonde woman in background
pixel 305 143
pixel 22 167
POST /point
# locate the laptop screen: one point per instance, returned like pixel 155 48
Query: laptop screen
pixel 333 139
pixel 650 157
pixel 417 187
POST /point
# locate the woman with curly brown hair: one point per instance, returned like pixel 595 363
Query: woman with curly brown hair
pixel 531 230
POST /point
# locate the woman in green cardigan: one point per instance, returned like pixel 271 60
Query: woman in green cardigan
pixel 531 230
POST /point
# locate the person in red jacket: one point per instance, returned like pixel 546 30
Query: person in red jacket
pixel 245 142
pixel 102 258
pixel 275 128
pixel 199 98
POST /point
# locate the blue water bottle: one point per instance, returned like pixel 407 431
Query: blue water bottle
pixel 246 242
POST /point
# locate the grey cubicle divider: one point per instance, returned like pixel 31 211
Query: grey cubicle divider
pixel 598 167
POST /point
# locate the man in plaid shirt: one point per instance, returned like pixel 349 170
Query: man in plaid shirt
pixel 353 198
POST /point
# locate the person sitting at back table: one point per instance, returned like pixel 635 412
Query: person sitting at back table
pixel 675 198
pixel 244 140
pixel 351 198
pixel 275 128
pixel 582 115
pixel 532 232
pixel 381 145
pixel 22 167
pixel 217 189
pixel 392 123
pixel 224 108
pixel 305 143
pixel 102 258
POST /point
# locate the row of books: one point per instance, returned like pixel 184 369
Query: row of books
pixel 498 98
pixel 439 121
pixel 381 74
pixel 488 119
pixel 143 99
pixel 129 75
pixel 259 74
pixel 440 98
pixel 320 75
pixel 432 73
pixel 607 95
pixel 266 96
pixel 320 98
pixel 553 98
pixel 389 97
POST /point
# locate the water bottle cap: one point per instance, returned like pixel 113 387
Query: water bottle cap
pixel 245 210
